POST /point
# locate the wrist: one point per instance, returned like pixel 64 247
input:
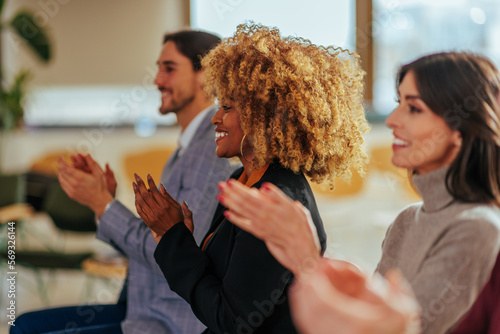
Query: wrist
pixel 307 265
pixel 103 205
pixel 160 230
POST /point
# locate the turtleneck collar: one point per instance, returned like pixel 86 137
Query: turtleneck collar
pixel 432 188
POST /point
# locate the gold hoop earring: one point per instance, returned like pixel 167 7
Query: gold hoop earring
pixel 241 147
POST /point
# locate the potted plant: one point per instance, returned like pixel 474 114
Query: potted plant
pixel 12 93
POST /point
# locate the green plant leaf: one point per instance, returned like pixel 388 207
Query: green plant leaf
pixel 34 35
pixel 11 102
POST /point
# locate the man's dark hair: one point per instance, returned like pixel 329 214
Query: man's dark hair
pixel 193 44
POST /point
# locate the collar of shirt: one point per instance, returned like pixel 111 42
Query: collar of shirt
pixel 188 134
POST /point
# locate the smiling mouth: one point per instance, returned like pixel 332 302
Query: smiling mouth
pixel 220 135
pixel 400 142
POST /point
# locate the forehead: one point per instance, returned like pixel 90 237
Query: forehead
pixel 408 84
pixel 169 53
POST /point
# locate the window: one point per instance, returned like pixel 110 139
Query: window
pixel 103 64
pixel 324 22
pixel 404 30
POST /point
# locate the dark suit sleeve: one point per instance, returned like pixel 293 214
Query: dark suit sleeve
pixel 247 294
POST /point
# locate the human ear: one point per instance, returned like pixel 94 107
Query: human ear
pixel 457 138
pixel 199 78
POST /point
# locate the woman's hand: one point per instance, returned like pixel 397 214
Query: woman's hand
pixel 284 225
pixel 158 209
pixel 338 298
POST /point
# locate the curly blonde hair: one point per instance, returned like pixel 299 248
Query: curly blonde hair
pixel 299 103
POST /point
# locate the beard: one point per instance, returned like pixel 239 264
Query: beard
pixel 175 105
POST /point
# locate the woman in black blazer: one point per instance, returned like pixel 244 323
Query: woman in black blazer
pixel 289 109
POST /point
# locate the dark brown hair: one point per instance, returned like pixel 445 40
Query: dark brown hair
pixel 463 89
pixel 193 44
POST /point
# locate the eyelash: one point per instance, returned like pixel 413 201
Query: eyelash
pixel 226 108
pixel 413 109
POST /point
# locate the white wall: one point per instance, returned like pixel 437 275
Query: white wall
pixel 96 42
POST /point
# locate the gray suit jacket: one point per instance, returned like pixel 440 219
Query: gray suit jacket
pixel 151 306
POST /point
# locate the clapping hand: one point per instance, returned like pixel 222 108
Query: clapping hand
pixel 158 209
pixel 83 163
pixel 338 298
pixel 284 225
pixel 85 183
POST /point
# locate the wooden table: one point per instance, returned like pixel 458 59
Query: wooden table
pixel 14 212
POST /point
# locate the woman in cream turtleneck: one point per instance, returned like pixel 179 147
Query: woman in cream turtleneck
pixel 447 132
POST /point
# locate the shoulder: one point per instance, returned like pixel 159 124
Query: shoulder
pixel 479 212
pixel 294 185
pixel 201 150
pixel 472 221
pixel 482 220
pixel 283 178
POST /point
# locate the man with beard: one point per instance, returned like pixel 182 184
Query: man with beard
pixel 147 305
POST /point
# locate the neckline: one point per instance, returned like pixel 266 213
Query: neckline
pixel 432 187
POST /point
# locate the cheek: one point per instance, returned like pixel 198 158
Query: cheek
pixel 436 146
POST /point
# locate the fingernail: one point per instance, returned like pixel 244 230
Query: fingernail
pixel 220 198
pixel 185 203
pixel 137 178
pixel 149 177
pixel 266 187
pixel 134 186
pixel 220 186
pixel 226 213
pixel 230 182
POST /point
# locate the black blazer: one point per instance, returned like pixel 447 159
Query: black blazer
pixel 235 285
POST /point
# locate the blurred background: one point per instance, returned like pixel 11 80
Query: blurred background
pixel 77 76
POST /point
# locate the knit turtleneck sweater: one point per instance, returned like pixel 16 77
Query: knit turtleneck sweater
pixel 445 248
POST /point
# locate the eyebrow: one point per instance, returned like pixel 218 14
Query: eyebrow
pixel 412 97
pixel 166 62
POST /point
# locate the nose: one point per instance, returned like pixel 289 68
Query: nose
pixel 158 81
pixel 217 118
pixel 392 120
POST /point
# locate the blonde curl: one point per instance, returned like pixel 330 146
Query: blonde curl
pixel 300 104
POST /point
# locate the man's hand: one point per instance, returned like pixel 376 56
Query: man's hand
pixel 80 162
pixel 87 187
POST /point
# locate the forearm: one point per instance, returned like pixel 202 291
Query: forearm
pixel 100 203
pixel 120 228
pixel 202 207
pixel 224 303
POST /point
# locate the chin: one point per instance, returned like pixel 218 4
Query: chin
pixel 225 155
pixel 218 154
pixel 400 164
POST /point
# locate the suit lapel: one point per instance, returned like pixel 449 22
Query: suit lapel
pixel 174 167
pixel 206 125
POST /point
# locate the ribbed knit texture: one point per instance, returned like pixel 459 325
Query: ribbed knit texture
pixel 445 248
